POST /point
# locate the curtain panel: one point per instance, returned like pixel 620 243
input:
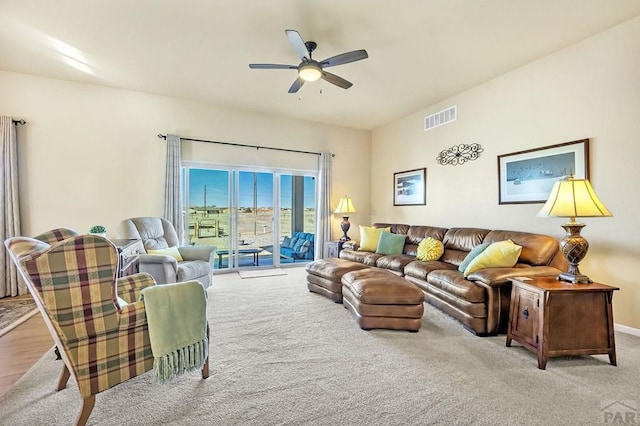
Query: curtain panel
pixel 173 186
pixel 10 216
pixel 323 210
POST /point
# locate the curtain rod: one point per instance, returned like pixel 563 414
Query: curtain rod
pixel 16 122
pixel 161 136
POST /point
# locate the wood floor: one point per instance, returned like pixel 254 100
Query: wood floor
pixel 21 348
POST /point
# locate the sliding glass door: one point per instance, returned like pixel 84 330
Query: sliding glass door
pixel 248 214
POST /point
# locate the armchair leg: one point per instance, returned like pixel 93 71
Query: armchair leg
pixel 87 407
pixel 64 378
pixel 205 369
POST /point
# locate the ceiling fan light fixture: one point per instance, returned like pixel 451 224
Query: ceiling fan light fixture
pixel 309 72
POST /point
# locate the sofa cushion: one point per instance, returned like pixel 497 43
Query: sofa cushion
pixel 364 257
pixel 292 243
pixel 395 263
pixel 458 242
pixel 286 242
pixel 420 269
pixel 301 246
pixel 369 237
pixel 389 243
pixel 472 255
pixel 395 228
pixel 452 282
pixel 501 254
pixel 537 249
pixel 418 233
pixel 430 249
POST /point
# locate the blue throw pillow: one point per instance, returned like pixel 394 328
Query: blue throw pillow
pixel 472 255
pixel 304 247
pixel 390 244
pixel 286 242
pixel 293 242
pixel 298 246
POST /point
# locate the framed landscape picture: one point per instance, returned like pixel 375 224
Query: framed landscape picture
pixel 526 177
pixel 410 188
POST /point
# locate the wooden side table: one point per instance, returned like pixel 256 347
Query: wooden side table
pixel 128 251
pixel 332 248
pixel 555 318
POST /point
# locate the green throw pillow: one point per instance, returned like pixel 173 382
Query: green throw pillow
pixel 430 249
pixel 369 237
pixel 472 255
pixel 169 251
pixel 501 254
pixel 389 243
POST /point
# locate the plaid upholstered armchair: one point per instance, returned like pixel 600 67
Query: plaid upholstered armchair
pixel 99 323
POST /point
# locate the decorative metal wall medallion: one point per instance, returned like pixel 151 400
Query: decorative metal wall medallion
pixel 459 154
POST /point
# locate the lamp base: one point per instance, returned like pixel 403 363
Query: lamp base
pixel 574 248
pixel 345 225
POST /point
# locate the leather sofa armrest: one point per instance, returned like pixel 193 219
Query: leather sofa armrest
pixel 496 277
pixel 351 245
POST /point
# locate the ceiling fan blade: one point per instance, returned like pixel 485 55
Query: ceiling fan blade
pixel 334 79
pixel 345 58
pixel 298 44
pixel 296 85
pixel 273 67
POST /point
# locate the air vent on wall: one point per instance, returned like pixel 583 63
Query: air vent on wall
pixel 439 118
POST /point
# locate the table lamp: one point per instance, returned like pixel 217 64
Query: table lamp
pixel 345 206
pixel 573 198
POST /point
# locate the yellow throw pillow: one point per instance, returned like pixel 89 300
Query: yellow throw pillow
pixel 369 237
pixel 430 249
pixel 501 254
pixel 169 251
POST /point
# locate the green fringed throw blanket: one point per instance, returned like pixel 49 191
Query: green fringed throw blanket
pixel 176 315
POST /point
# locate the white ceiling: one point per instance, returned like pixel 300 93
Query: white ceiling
pixel 420 51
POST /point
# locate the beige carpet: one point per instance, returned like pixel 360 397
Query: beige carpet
pixel 282 355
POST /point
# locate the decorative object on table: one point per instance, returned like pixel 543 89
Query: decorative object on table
pixel 410 188
pixel 345 207
pixel 459 154
pixel 526 177
pixel 98 230
pixel 573 198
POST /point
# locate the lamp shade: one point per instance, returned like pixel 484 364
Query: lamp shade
pixel 345 205
pixel 573 198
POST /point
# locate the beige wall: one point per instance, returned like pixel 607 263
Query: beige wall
pixel 89 154
pixel 588 90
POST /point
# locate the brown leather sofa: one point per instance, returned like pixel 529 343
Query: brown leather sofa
pixel 480 301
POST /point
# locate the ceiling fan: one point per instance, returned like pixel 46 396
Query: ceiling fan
pixel 310 69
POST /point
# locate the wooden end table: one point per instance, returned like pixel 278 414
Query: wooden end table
pixel 128 250
pixel 333 248
pixel 555 318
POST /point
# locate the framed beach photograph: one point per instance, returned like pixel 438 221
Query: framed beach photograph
pixel 410 188
pixel 526 177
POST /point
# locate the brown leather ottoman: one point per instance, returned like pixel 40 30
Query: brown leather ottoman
pixel 380 299
pixel 324 276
